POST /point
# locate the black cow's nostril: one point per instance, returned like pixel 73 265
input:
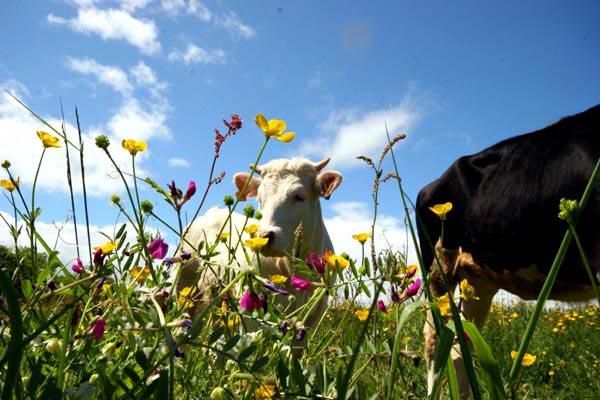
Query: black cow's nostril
pixel 268 235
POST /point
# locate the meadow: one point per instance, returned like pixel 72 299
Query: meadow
pixel 111 323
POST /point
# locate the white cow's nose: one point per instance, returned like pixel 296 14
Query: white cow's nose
pixel 268 235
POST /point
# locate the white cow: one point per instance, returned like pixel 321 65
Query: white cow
pixel 288 192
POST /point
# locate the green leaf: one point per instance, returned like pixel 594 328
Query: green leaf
pixel 217 333
pixel 230 343
pixel 445 342
pixel 247 352
pixel 282 373
pixel 259 363
pixel 489 365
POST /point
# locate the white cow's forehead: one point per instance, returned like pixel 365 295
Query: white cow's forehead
pixel 288 175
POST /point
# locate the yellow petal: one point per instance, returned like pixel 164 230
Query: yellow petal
pixel 441 209
pixel 48 140
pixel 134 146
pixel 251 229
pixel 278 279
pixel 276 127
pixel 443 303
pixel 7 184
pixel 107 247
pixel 335 261
pixel 286 137
pixel 362 314
pixel 256 243
pixel 361 237
pixel 262 123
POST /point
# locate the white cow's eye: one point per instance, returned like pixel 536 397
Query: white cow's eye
pixel 298 198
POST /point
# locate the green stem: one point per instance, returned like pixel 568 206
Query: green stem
pixel 84 187
pixel 584 260
pixel 547 287
pixel 32 216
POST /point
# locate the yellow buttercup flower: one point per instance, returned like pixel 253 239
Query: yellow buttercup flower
pixel 443 303
pixel 48 140
pixel 106 288
pixel 139 273
pixel 233 322
pixel 185 297
pixel 278 279
pixel 441 209
pixel 251 229
pixel 107 247
pixel 265 392
pixel 528 359
pixel 223 236
pixel 274 128
pixel 134 146
pixel 8 185
pixel 256 243
pixel 362 314
pixel 361 237
pixel 334 261
pixel 467 292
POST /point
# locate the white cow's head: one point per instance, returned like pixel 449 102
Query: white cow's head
pixel 288 192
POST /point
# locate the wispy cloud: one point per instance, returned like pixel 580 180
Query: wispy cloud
pixel 178 162
pixel 315 81
pixel 234 25
pixel 198 9
pixel 113 24
pixel 112 76
pixel 348 133
pixel 355 217
pixel 197 55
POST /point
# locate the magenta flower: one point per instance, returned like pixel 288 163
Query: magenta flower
pixel 99 258
pixel 413 289
pixel 174 191
pixel 158 248
pixel 299 283
pixel 191 190
pixel 381 306
pixel 316 262
pixel 250 301
pixel 97 329
pixel 78 266
pixel 395 297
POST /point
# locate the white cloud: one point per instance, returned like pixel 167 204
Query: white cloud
pixel 198 9
pixel 349 133
pixel 133 5
pixel 234 25
pixel 112 76
pixel 144 75
pixel 178 162
pixel 172 7
pixel 356 217
pixel 133 120
pixel 113 24
pixel 197 55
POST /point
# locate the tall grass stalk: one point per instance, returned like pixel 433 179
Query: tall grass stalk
pixel 83 186
pixel 547 287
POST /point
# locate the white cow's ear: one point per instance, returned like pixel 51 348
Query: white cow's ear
pixel 328 181
pixel 245 189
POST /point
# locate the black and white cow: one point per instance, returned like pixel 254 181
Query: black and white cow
pixel 503 231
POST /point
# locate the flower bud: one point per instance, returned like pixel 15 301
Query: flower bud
pixel 53 345
pixel 93 379
pixel 228 200
pixel 147 206
pixel 102 141
pixel 258 214
pixel 6 164
pixel 218 393
pixel 115 199
pixel 249 211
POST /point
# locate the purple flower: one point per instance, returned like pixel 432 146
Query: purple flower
pixel 99 258
pixel 316 262
pixel 158 248
pixel 271 286
pixel 191 190
pixel 175 193
pixel 395 297
pixel 186 322
pixel 250 301
pixel 300 333
pixel 186 256
pixel 77 267
pixel 283 327
pixel 381 306
pixel 299 283
pixel 97 329
pixel 179 353
pixel 413 289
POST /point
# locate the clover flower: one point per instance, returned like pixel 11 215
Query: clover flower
pixel 158 248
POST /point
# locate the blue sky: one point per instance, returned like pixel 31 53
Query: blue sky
pixel 454 76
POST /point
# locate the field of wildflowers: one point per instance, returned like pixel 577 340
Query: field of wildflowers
pixel 111 324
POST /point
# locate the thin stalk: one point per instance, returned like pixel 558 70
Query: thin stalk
pixel 32 216
pixel 85 204
pixel 141 223
pixel 584 259
pixel 545 292
pixel 69 180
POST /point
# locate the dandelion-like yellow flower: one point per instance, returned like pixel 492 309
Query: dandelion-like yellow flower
pixel 185 297
pixel 335 261
pixel 48 140
pixel 361 237
pixel 443 303
pixel 467 292
pixel 107 247
pixel 265 392
pixel 8 185
pixel 256 243
pixel 528 359
pixel 514 315
pixel 362 314
pixel 251 229
pixel 134 146
pixel 278 279
pixel 441 209
pixel 139 273
pixel 274 128
pixel 223 236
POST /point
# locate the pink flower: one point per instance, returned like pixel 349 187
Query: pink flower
pixel 318 263
pixel 78 266
pixel 250 301
pixel 158 248
pixel 413 289
pixel 299 283
pixel 381 306
pixel 191 190
pixel 97 329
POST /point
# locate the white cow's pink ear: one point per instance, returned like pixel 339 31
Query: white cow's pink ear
pixel 245 189
pixel 329 181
